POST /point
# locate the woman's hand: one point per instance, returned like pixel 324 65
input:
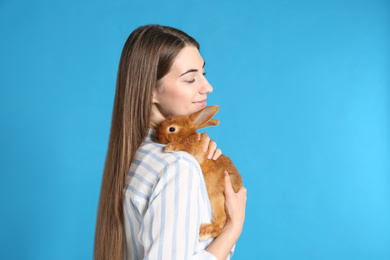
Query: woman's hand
pixel 235 205
pixel 209 146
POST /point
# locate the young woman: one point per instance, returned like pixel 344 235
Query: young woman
pixel 152 203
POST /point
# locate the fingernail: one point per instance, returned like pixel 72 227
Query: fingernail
pixel 226 172
pixel 209 156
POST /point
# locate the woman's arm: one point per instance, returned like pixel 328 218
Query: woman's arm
pixel 235 206
pixel 170 226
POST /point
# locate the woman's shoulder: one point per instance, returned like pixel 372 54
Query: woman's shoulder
pixel 153 152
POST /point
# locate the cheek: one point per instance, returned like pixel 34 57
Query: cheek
pixel 177 98
pixel 181 94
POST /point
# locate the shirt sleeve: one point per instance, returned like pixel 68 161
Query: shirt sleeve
pixel 171 223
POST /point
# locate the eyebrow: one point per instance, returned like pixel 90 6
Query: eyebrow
pixel 192 70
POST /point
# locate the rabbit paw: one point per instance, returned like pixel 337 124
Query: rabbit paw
pixel 208 231
pixel 169 148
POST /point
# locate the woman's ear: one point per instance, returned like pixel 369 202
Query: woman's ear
pixel 154 98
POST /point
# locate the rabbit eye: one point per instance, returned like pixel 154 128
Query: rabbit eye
pixel 172 129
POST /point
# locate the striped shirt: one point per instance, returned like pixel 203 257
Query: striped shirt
pixel 165 203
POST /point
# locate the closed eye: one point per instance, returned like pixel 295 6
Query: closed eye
pixel 193 80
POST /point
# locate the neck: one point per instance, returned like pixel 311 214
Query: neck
pixel 156 118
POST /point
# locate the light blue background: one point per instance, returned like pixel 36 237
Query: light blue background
pixel 303 89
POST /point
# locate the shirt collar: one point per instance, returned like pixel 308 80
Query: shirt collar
pixel 151 135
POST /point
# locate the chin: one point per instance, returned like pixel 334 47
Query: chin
pixel 195 109
pixel 187 111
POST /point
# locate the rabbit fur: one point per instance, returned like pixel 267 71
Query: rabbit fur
pixel 179 133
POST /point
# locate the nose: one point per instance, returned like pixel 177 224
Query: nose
pixel 205 87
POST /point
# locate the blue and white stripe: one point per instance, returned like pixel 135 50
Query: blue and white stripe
pixel 165 202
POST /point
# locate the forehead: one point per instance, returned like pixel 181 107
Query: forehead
pixel 188 58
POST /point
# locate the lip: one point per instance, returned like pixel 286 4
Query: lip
pixel 201 103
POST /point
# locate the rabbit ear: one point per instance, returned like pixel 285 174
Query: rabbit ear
pixel 211 122
pixel 203 118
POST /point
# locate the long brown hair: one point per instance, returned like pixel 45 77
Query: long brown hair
pixel 146 57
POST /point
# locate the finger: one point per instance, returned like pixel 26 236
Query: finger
pixel 228 184
pixel 217 153
pixel 205 141
pixel 242 192
pixel 198 136
pixel 212 147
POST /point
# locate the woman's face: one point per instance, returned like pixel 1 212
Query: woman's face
pixel 183 90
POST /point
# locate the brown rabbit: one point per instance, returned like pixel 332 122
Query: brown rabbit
pixel 179 133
